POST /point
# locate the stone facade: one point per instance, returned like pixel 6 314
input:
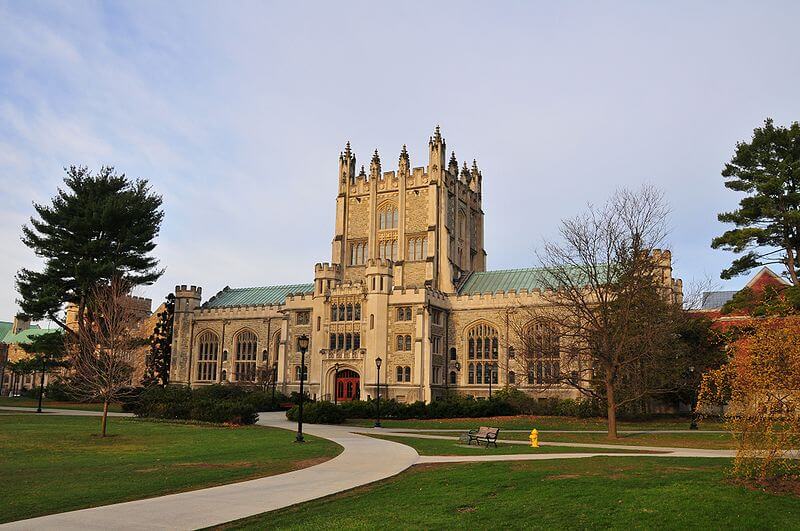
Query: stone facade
pixel 406 244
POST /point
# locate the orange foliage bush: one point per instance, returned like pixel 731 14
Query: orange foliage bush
pixel 760 389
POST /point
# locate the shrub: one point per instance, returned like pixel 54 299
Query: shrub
pixel 58 391
pixel 227 411
pixel 318 413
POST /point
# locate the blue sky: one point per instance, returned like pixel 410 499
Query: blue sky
pixel 236 113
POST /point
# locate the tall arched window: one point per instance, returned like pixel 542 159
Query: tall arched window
pixel 388 217
pixel 545 352
pixel 482 346
pixel 245 361
pixel 207 356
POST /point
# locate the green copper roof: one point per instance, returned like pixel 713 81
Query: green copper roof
pixel 5 328
pixel 23 336
pixel 230 297
pixel 499 281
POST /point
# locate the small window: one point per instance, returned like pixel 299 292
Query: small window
pixel 511 352
pixel 399 374
pixel 349 312
pixel 453 355
pixel 356 340
pixel 408 374
pixel 452 377
pixel 408 343
pixel 371 321
pixel 399 343
pixel 319 323
pixel 357 310
pixel 512 378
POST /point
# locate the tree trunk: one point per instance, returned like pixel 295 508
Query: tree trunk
pixel 790 265
pixel 612 409
pixel 104 421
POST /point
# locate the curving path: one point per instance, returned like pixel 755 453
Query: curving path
pixel 364 460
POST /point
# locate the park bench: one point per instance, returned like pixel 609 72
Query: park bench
pixel 484 434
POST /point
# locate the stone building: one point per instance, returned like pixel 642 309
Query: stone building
pixel 407 283
pixel 13 335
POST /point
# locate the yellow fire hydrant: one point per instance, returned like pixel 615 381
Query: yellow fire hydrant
pixel 534 437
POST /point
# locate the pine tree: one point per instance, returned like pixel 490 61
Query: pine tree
pixel 767 221
pixel 98 227
pixel 160 355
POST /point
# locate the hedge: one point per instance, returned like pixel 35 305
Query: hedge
pixel 229 404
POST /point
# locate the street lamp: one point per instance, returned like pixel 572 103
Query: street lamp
pixel 274 380
pixel 336 384
pixel 693 404
pixel 302 343
pixel 491 377
pixel 378 362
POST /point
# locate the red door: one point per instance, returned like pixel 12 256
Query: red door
pixel 347 385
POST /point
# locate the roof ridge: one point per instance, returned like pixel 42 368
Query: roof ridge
pixel 509 270
pixel 274 286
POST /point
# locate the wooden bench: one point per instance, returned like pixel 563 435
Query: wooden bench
pixel 484 434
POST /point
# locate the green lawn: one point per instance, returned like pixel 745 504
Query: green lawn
pixel 57 463
pixel 599 492
pixel 454 447
pixel 712 441
pixel 33 402
pixel 524 422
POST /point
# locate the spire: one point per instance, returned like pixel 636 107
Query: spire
pixel 375 166
pixel 452 166
pixel 437 137
pixel 465 175
pixel 362 173
pixel 404 160
pixel 347 151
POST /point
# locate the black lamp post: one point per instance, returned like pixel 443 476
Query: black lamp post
pixel 302 343
pixel 274 380
pixel 378 362
pixel 693 404
pixel 491 377
pixel 336 384
pixel 41 387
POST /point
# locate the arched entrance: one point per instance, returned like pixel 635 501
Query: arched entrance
pixel 348 385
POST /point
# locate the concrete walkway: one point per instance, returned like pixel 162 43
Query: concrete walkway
pixel 57 411
pixel 364 460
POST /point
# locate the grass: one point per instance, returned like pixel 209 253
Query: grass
pixel 598 492
pixel 710 441
pixel 33 402
pixel 57 463
pixel 525 422
pixel 454 447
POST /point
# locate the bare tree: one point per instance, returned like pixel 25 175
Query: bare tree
pixel 103 352
pixel 608 323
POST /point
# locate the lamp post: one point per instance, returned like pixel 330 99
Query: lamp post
pixel 336 384
pixel 491 377
pixel 693 405
pixel 274 380
pixel 302 343
pixel 378 362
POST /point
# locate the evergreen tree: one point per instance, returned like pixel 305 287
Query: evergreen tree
pixel 47 352
pixel 98 227
pixel 158 359
pixel 767 221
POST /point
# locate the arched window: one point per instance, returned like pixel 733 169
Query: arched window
pixel 334 312
pixel 546 354
pixel 357 312
pixel 453 355
pixel 408 374
pixel 453 377
pixel 408 342
pixel 356 340
pixel 207 352
pixel 340 344
pixel 399 343
pixel 482 341
pixel 471 373
pixel 349 312
pixel 388 217
pixel 348 341
pixel 371 319
pixel 399 374
pixel 333 342
pixel 245 361
pixel 479 372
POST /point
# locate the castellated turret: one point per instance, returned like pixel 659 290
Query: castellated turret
pixel 326 277
pixel 379 275
pixel 187 299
